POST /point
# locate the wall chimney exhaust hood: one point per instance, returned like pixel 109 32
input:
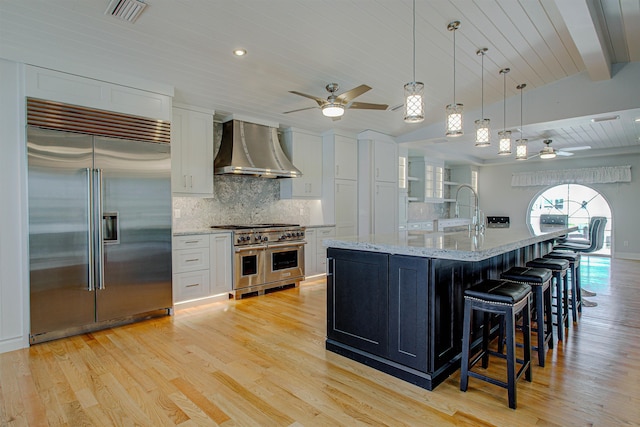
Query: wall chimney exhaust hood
pixel 252 149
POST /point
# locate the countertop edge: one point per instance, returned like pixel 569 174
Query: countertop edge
pixel 450 254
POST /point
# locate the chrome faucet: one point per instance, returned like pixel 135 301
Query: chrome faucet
pixel 477 222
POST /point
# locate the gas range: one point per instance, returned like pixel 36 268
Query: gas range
pixel 266 256
pixel 257 234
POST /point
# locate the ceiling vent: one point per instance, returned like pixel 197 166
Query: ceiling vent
pixel 128 10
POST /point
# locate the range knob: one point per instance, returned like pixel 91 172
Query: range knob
pixel 265 239
pixel 258 238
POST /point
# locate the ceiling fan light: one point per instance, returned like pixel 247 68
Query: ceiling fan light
pixel 413 102
pixel 504 146
pixel 547 153
pixel 521 149
pixel 333 110
pixel 483 133
pixel 454 120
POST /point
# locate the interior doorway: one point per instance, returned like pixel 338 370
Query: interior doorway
pixel 575 202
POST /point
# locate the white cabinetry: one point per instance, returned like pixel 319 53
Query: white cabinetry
pixel 192 152
pixel 315 260
pixel 310 261
pixel 221 263
pixel 305 152
pixel 202 267
pixel 190 267
pixel 377 184
pixel 44 83
pixel 340 182
pixel 429 187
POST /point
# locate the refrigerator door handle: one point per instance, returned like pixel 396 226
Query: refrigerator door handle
pixel 90 215
pixel 98 226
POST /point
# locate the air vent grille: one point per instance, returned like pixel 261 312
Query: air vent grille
pixel 128 10
pixel 73 118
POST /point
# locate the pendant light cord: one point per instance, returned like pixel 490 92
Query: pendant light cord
pixel 482 88
pixel 454 67
pixel 414 41
pixel 504 102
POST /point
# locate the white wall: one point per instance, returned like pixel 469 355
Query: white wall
pixel 497 197
pixel 14 321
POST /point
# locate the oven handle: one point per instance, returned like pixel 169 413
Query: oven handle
pixel 285 245
pixel 250 248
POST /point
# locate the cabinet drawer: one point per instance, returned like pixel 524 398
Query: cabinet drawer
pixel 188 242
pixel 190 259
pixel 323 233
pixel 192 285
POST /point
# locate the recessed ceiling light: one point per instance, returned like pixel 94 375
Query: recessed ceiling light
pixel 604 119
pixel 239 52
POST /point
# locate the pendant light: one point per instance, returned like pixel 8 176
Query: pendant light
pixel 483 130
pixel 413 91
pixel 454 111
pixel 504 147
pixel 521 144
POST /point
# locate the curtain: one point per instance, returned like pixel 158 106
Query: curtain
pixel 600 175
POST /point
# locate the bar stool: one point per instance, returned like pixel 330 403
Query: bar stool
pixel 574 269
pixel 506 299
pixel 540 281
pixel 559 269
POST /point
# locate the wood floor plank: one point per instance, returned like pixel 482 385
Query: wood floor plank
pixel 262 361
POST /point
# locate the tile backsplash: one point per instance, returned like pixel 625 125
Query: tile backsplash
pixel 244 200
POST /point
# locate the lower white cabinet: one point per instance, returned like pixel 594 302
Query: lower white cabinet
pixel 202 266
pixel 315 257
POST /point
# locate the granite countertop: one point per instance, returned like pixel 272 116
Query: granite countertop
pixel 462 245
pixel 194 231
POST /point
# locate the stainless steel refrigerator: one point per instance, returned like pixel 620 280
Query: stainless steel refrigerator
pixel 99 231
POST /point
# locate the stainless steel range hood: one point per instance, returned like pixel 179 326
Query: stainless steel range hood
pixel 252 149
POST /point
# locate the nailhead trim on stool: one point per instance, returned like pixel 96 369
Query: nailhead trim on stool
pixel 559 268
pixel 506 299
pixel 540 281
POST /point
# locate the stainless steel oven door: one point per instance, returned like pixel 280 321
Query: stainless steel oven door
pixel 284 261
pixel 249 266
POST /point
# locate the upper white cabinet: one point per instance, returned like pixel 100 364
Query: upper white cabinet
pixel 346 157
pixel 385 161
pixel 192 152
pixel 53 85
pixel 305 152
pixel 429 187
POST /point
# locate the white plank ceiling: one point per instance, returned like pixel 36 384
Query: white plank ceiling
pixel 304 45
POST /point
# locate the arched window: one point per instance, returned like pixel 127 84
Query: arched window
pixel 574 203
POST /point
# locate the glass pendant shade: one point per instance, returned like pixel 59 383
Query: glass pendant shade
pixel 521 149
pixel 483 133
pixel 504 147
pixel 413 102
pixel 454 120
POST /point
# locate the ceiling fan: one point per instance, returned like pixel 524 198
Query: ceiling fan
pixel 548 152
pixel 334 106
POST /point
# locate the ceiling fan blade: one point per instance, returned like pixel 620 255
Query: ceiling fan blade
pixel 300 109
pixel 320 101
pixel 563 153
pixel 346 97
pixel 578 148
pixel 396 107
pixel 368 106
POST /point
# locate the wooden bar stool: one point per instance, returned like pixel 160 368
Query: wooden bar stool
pixel 540 281
pixel 505 299
pixel 559 268
pixel 575 302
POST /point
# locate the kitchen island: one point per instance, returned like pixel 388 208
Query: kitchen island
pixel 395 301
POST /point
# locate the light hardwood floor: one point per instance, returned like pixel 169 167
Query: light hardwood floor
pixel 261 362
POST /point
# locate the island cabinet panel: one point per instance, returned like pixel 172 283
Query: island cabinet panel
pixel 408 311
pixel 357 298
